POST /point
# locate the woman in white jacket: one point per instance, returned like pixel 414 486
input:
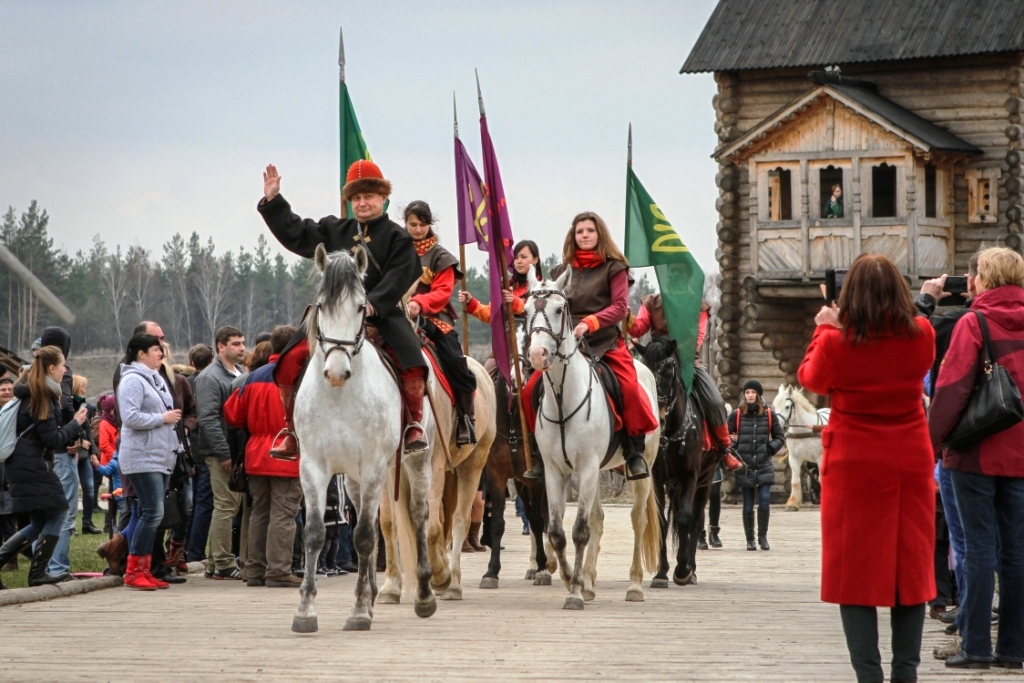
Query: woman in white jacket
pixel 148 449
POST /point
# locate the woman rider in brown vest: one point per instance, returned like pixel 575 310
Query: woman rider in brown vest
pixel 431 305
pixel 598 299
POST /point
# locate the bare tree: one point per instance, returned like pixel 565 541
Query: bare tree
pixel 114 280
pixel 175 267
pixel 212 279
pixel 140 274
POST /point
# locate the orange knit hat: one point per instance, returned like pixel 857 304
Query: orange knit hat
pixel 365 176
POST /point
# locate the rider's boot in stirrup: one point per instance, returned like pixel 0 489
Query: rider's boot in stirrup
pixel 466 432
pixel 537 472
pixel 412 394
pixel 286 446
pixel 633 451
pixel 729 459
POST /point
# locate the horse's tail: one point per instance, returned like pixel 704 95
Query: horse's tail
pixel 406 536
pixel 650 544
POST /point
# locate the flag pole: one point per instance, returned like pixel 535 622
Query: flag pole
pixel 462 255
pixel 629 162
pixel 509 319
pixel 341 110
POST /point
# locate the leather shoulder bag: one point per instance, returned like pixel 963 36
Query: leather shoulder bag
pixel 995 403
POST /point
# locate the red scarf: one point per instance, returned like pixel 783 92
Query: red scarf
pixel 587 259
pixel 424 245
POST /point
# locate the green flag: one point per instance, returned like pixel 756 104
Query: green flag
pixel 353 147
pixel 652 241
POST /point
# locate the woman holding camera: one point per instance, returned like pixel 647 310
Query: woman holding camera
pixel 148 450
pixel 877 493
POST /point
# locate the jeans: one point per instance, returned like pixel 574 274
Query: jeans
pixel 202 513
pixel 66 468
pixel 764 497
pixel 992 507
pixel 956 535
pixel 860 624
pixel 45 523
pixel 150 488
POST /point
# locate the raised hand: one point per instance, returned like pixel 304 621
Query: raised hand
pixel 271 182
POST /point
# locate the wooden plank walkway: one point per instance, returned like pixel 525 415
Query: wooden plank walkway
pixel 752 616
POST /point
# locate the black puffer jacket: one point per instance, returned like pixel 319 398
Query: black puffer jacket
pixel 756 445
pixel 29 470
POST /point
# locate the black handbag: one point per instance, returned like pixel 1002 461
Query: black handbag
pixel 174 516
pixel 995 403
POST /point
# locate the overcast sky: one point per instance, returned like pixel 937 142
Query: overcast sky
pixel 134 120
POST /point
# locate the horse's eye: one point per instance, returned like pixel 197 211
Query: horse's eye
pixel 558 311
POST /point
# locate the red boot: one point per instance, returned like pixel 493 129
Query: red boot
pixel 729 459
pixel 136 577
pixel 144 564
pixel 288 446
pixel 176 557
pixel 412 393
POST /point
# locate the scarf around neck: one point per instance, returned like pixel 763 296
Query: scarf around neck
pixel 426 244
pixel 587 259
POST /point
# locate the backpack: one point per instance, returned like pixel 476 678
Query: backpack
pixel 8 428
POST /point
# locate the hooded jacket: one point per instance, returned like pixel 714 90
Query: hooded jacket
pixel 147 444
pixel 1001 454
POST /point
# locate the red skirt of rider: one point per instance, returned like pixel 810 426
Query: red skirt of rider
pixel 636 406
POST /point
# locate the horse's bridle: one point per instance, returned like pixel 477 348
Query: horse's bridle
pixel 541 296
pixel 790 408
pixel 329 345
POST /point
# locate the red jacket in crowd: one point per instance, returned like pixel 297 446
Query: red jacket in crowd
pixel 1002 454
pixel 256 407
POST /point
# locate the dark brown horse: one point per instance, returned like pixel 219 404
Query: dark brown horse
pixel 683 471
pixel 507 461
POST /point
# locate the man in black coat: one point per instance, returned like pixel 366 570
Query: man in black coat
pixel 394 269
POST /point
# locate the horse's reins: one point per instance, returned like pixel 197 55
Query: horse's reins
pixel 541 295
pixel 790 408
pixel 342 345
pixel 688 421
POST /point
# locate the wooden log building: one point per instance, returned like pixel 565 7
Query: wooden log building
pixel 912 109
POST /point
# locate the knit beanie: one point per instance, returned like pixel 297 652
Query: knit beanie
pixel 755 385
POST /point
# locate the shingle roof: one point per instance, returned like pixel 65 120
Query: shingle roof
pixel 766 34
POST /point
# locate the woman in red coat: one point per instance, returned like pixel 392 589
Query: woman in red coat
pixel 877 492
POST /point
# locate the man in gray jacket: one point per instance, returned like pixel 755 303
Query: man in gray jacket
pixel 213 387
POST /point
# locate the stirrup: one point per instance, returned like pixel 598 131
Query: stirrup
pixel 465 421
pixel 421 449
pixel 635 477
pixel 281 435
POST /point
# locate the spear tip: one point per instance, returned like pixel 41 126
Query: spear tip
pixel 629 146
pixel 341 54
pixel 479 94
pixel 455 111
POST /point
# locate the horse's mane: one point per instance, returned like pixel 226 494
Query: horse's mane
pixel 340 280
pixel 657 351
pixel 798 397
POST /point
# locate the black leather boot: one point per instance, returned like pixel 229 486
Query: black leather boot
pixel 748 528
pixel 466 432
pixel 633 451
pixel 88 528
pixel 536 473
pixel 702 542
pixel 762 528
pixel 9 550
pixel 713 540
pixel 37 575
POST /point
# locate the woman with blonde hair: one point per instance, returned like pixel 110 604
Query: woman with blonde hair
pixel 870 355
pixel 988 477
pixel 35 489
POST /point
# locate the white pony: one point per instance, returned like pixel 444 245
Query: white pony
pixel 803 441
pixel 348 418
pixel 573 428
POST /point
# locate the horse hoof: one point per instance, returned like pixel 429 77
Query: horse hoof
pixel 305 624
pixel 636 595
pixel 425 609
pixel 572 602
pixel 489 582
pixel 688 580
pixel 542 579
pixel 357 624
pixel 440 587
pixel 390 598
pixel 588 595
pixel 452 593
pixel 792 508
pixel 659 583
pixel 530 574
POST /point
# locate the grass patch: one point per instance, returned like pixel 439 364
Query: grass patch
pixel 82 554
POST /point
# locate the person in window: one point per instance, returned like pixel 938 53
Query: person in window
pixel 834 209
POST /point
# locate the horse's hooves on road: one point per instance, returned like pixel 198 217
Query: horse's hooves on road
pixel 489 582
pixel 426 609
pixel 792 508
pixel 589 595
pixel 390 598
pixel 688 580
pixel 452 593
pixel 542 579
pixel 305 624
pixel 439 587
pixel 634 595
pixel 357 624
pixel 572 602
pixel 659 583
pixel 530 574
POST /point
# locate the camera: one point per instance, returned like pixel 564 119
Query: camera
pixel 833 284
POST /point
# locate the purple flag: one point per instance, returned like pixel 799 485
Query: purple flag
pixel 499 246
pixel 471 195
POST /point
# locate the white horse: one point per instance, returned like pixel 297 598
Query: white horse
pixel 573 428
pixel 348 418
pixel 803 441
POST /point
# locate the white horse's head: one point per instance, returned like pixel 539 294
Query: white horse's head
pixel 548 322
pixel 792 406
pixel 336 327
